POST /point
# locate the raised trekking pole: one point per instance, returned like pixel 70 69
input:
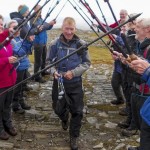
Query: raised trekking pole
pixel 111 37
pixel 130 52
pixel 90 25
pixel 102 12
pixel 49 12
pixel 83 47
pixel 18 28
pixel 61 10
pixel 112 11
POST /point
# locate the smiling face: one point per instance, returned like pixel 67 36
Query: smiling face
pixel 13 25
pixel 68 28
pixel 140 31
pixel 123 15
pixel 1 25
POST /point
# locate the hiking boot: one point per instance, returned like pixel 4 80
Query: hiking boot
pixel 123 112
pixel 11 131
pixel 129 132
pixel 73 143
pixel 19 110
pixel 40 80
pixel 25 106
pixel 133 148
pixel 27 88
pixel 45 73
pixel 124 124
pixel 64 125
pixel 117 102
pixel 4 135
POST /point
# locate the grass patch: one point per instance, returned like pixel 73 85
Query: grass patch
pixel 100 55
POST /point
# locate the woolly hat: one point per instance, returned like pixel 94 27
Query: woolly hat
pixel 23 9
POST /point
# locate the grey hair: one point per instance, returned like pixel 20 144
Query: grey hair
pixel 145 22
pixel 10 22
pixel 124 11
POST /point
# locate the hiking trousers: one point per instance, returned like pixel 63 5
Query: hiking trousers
pixel 72 102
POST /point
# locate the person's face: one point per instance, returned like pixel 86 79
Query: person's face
pixel 132 25
pixel 68 30
pixel 123 15
pixel 124 28
pixel 26 13
pixel 37 8
pixel 13 25
pixel 1 25
pixel 140 31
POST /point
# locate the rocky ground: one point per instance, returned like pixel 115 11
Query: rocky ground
pixel 40 129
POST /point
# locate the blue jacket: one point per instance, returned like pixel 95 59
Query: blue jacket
pixel 41 37
pixel 78 63
pixel 19 51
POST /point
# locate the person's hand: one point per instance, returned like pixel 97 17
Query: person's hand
pixel 40 28
pixel 12 59
pixel 139 65
pixel 95 25
pixel 56 75
pixel 116 55
pixel 68 75
pixel 31 38
pixel 52 22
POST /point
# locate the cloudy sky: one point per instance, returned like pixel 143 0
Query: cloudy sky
pixel 132 6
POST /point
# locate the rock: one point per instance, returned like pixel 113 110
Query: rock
pixel 6 145
pixel 121 145
pixel 110 125
pixel 100 145
pixel 92 120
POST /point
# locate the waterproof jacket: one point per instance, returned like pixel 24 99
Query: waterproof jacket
pixel 143 50
pixel 7 79
pixel 78 63
pixel 41 37
pixel 20 50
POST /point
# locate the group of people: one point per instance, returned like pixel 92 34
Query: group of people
pixel 130 78
pixel 17 45
pixel 130 74
pixel 17 41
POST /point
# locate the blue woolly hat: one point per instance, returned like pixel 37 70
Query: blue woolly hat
pixel 24 9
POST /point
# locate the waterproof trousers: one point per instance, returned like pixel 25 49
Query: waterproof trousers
pixel 137 102
pixel 72 102
pixel 117 85
pixel 5 109
pixel 40 52
pixel 18 92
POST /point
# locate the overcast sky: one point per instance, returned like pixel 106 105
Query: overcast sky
pixel 132 6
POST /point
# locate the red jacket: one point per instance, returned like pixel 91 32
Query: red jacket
pixel 114 25
pixel 6 79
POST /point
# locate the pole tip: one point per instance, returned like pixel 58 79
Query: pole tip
pixel 134 17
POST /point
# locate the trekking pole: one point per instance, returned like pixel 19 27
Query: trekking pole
pixel 112 11
pixel 49 12
pixel 61 10
pixel 102 13
pixel 111 37
pixel 91 27
pixel 83 47
pixel 18 28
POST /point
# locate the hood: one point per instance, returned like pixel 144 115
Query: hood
pixel 15 15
